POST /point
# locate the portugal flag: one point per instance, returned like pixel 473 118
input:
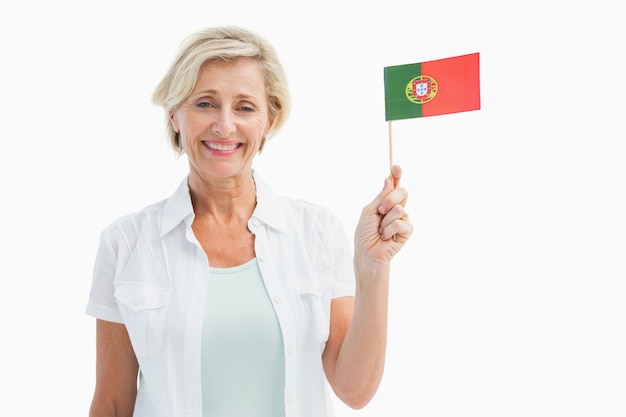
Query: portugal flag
pixel 449 85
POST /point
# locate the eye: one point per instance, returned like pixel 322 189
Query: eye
pixel 246 109
pixel 204 104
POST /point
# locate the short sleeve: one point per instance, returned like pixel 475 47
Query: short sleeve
pixel 102 303
pixel 343 267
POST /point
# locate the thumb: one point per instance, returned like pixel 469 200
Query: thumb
pixel 395 174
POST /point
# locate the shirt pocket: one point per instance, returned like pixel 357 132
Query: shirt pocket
pixel 143 308
pixel 315 306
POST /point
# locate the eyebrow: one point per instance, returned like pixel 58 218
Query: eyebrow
pixel 214 92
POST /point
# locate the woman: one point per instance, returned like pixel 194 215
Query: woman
pixel 226 299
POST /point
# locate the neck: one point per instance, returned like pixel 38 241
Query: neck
pixel 224 199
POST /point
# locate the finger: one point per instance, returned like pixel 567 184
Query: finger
pixel 398 230
pixel 376 204
pixel 398 196
pixel 391 194
pixel 398 212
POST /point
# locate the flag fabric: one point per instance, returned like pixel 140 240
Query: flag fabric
pixel 443 86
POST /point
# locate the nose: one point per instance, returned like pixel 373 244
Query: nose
pixel 224 123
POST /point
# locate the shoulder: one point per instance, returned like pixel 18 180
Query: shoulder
pixel 313 212
pixel 315 223
pixel 284 212
pixel 139 216
pixel 156 218
pixel 126 229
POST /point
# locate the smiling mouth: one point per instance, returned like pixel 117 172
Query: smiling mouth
pixel 222 146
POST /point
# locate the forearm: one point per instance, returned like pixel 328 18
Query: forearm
pixel 108 402
pixel 360 362
pixel 355 359
pixel 116 372
pixel 109 409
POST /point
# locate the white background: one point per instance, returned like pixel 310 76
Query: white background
pixel 510 298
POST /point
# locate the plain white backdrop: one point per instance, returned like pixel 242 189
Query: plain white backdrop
pixel 510 298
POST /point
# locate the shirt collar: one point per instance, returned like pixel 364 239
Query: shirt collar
pixel 177 208
pixel 270 208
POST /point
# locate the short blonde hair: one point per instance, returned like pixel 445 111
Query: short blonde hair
pixel 227 43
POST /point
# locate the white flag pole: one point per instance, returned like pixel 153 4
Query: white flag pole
pixel 390 147
pixel 391 162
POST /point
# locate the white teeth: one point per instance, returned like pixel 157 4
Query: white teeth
pixel 221 147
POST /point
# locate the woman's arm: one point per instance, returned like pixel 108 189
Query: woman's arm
pixel 354 356
pixel 116 372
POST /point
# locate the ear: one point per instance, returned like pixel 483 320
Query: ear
pixel 172 117
pixel 269 126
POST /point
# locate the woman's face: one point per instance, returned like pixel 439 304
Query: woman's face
pixel 223 120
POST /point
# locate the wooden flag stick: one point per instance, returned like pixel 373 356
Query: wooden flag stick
pixel 394 237
pixel 390 147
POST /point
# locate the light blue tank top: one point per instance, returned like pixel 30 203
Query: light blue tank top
pixel 243 367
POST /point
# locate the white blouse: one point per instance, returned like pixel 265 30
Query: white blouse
pixel 151 274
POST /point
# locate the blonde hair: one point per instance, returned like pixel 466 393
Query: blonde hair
pixel 227 43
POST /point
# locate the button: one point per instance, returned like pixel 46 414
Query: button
pixel 290 398
pixel 278 299
pixel 138 300
pixel 291 348
pixel 256 222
